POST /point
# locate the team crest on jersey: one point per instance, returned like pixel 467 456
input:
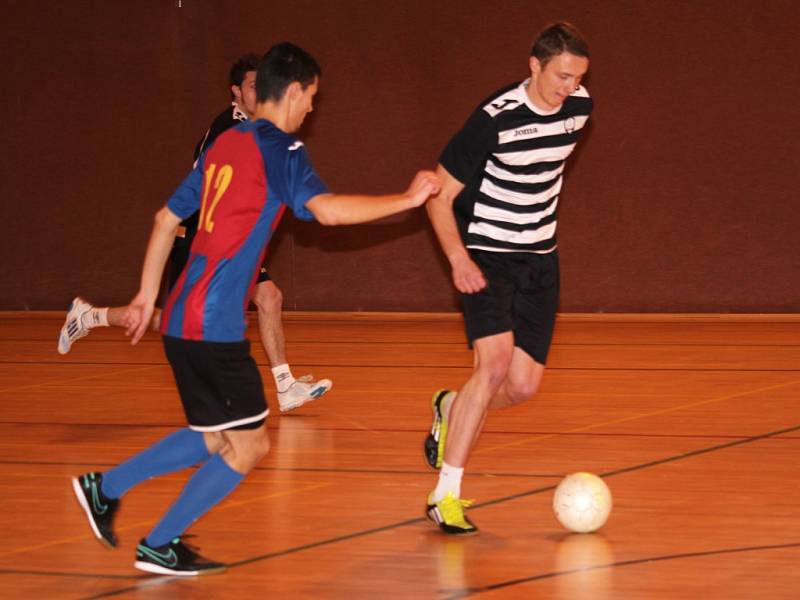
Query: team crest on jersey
pixel 569 124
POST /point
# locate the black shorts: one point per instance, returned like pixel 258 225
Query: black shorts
pixel 521 297
pixel 219 384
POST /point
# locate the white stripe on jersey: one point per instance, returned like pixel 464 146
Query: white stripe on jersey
pixel 515 237
pixel 531 131
pixel 495 171
pixel 520 198
pixel 498 214
pixel 529 157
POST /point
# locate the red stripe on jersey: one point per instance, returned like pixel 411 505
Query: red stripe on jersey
pixel 172 297
pixel 234 188
pixel 195 305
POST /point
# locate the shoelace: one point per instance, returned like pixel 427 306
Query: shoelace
pixel 453 508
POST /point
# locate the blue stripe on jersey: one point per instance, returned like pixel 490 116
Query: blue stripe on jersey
pixel 194 269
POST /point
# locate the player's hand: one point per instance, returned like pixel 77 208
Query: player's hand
pixel 467 276
pixel 137 317
pixel 424 184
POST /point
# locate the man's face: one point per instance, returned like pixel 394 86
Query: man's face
pixel 302 104
pixel 245 94
pixel 559 78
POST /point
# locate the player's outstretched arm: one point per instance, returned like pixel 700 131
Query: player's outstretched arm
pixel 467 276
pixel 348 209
pixel 140 310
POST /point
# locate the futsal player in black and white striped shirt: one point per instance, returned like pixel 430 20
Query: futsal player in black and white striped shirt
pixel 495 219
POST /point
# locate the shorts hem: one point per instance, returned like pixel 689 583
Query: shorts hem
pixel 229 424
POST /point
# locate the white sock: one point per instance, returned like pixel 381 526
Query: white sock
pixel 283 377
pixel 96 317
pixel 449 481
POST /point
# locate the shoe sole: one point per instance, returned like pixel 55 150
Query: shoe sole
pixel 436 417
pixel 64 343
pixel 159 570
pixel 76 486
pixel 461 533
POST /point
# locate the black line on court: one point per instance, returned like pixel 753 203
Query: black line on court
pixel 274 427
pixel 625 563
pixel 67 574
pixel 400 524
pixel 303 470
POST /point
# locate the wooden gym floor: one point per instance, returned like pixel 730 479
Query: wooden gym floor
pixel 693 422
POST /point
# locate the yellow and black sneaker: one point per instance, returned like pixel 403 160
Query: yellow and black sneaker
pixel 174 558
pixel 448 514
pixel 434 443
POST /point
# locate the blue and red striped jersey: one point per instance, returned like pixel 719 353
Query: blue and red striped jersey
pixel 241 187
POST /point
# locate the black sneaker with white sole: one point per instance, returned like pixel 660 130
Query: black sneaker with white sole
pixel 99 509
pixel 174 558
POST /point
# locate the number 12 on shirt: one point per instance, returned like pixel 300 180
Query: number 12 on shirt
pixel 220 183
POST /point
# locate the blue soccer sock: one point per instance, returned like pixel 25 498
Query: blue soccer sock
pixel 207 488
pixel 177 451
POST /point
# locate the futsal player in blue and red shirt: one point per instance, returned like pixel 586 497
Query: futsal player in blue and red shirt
pixel 241 186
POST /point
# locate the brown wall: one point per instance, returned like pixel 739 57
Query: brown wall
pixel 682 196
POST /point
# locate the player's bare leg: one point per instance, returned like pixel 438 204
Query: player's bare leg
pixel 82 317
pixel 292 393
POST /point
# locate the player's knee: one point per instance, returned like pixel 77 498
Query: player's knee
pixel 263 446
pixel 520 391
pixel 268 297
pixel 246 456
pixel 494 370
pixel 257 449
pixel 215 442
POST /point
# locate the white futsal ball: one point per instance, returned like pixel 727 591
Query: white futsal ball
pixel 582 502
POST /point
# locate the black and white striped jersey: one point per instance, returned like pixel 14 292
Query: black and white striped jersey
pixel 510 157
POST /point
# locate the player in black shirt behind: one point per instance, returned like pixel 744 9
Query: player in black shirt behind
pixel 82 316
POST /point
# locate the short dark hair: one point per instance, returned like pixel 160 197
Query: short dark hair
pixel 245 64
pixel 557 38
pixel 284 64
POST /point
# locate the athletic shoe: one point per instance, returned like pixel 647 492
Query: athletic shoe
pixel 174 558
pixel 448 514
pixel 73 328
pixel 303 390
pixel 434 443
pixel 99 510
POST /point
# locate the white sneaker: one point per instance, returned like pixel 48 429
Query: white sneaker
pixel 303 390
pixel 73 328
